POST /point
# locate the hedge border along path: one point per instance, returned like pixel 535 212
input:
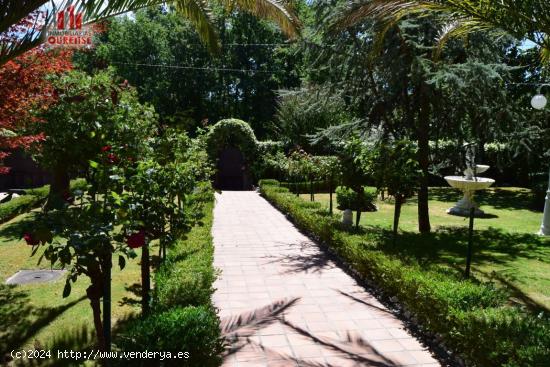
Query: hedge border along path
pixel 32 199
pixel 284 302
pixel 472 319
pixel 183 318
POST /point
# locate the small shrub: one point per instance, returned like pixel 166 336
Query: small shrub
pixel 194 330
pixel 347 198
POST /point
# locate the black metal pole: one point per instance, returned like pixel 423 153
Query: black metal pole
pixel 107 302
pixel 470 242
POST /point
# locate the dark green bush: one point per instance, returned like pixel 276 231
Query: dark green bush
pixel 346 198
pixel 194 330
pixel 33 199
pixel 472 317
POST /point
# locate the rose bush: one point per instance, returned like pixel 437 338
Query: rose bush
pixel 90 132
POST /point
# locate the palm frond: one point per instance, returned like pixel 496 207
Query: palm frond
pixel 380 10
pixel 11 50
pixel 251 321
pixel 545 51
pixel 23 25
pixel 277 11
pixel 196 11
pixel 12 11
pixel 97 10
pixel 523 19
pixel 461 28
pixel 199 14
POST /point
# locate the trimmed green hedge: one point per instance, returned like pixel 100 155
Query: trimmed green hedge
pixel 472 317
pixel 305 187
pixel 33 199
pixel 186 278
pixel 194 330
pixel 183 317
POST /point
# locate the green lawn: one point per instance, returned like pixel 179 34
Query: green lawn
pixel 506 248
pixel 32 315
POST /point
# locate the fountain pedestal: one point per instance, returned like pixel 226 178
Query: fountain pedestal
pixel 463 206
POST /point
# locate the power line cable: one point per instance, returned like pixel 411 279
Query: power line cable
pixel 198 68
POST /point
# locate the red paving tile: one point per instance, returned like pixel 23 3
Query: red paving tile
pixel 296 307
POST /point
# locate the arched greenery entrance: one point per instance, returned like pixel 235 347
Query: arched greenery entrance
pixel 232 144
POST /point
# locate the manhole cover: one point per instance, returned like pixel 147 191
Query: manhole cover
pixel 34 276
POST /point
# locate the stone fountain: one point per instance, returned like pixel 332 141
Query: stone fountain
pixel 469 184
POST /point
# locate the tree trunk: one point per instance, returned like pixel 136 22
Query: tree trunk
pixel 94 293
pixel 330 198
pixel 107 265
pixel 312 196
pixel 145 280
pixel 423 133
pixel 357 219
pixel 59 188
pixel 396 216
pixel 162 248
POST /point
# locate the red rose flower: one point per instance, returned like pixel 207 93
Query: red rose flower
pixel 106 148
pixel 31 241
pixel 112 158
pixel 136 240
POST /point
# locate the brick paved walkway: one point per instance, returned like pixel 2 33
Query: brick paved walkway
pixel 283 303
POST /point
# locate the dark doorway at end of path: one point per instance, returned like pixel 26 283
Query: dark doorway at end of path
pixel 232 171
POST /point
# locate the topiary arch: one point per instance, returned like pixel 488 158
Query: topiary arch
pixel 231 143
pixel 233 133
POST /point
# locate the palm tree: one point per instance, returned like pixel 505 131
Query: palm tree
pixel 525 19
pixel 14 41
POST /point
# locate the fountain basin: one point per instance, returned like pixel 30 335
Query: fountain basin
pixel 460 182
pixel 468 187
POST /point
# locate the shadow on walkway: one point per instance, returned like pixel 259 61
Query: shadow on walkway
pixel 238 331
pixel 309 260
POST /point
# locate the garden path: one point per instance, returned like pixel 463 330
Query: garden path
pixel 284 302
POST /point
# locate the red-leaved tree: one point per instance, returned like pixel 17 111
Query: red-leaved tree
pixel 23 86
